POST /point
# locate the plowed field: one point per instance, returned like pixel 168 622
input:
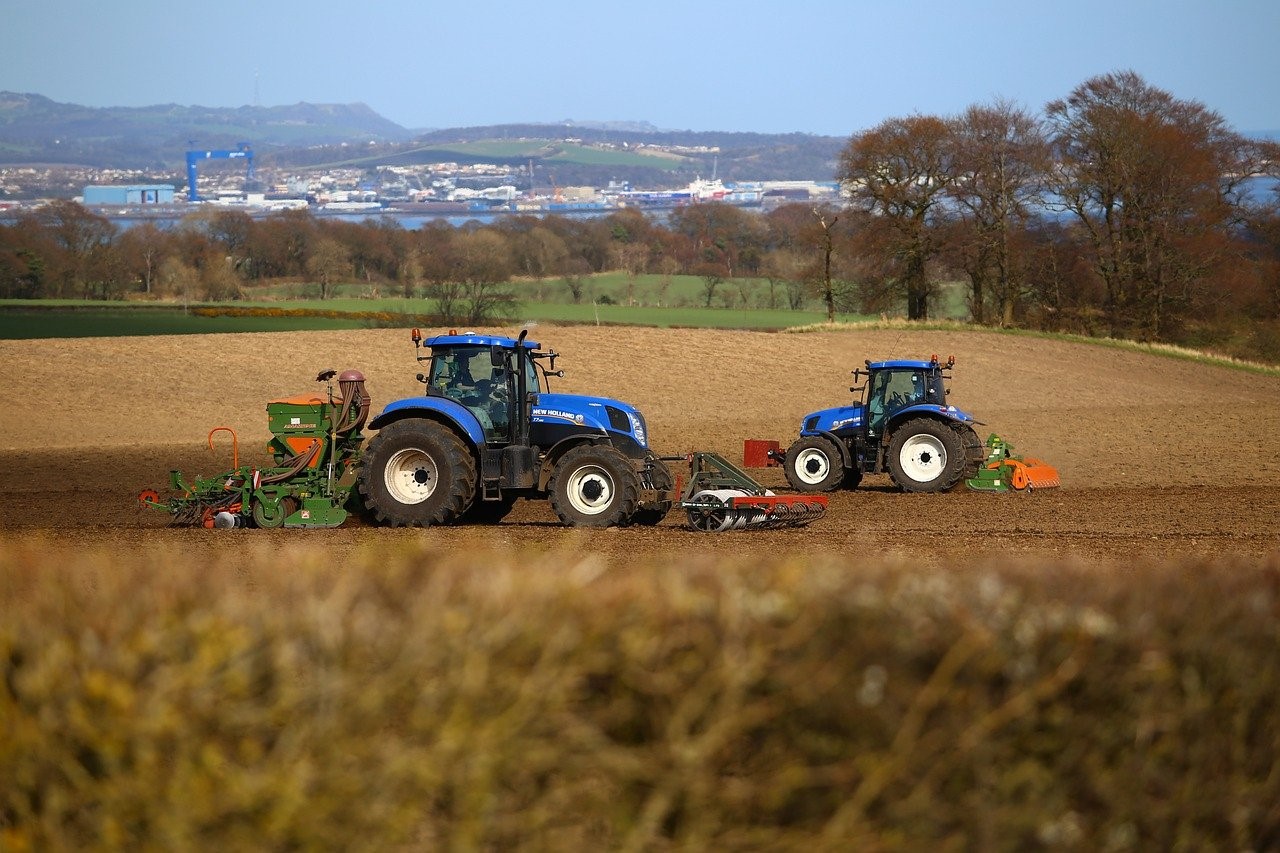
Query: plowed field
pixel 1159 457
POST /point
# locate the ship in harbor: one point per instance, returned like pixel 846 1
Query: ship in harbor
pixel 698 191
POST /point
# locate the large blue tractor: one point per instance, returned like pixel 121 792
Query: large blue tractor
pixel 487 430
pixel 901 425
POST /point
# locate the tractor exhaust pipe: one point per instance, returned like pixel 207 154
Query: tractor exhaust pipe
pixel 522 392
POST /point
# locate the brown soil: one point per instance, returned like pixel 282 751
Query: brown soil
pixel 1159 457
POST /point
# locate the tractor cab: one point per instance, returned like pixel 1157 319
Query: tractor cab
pixel 487 375
pixel 893 386
pixel 480 376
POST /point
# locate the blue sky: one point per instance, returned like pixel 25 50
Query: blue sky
pixel 812 66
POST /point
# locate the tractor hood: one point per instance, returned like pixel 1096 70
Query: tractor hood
pixel 840 420
pixel 844 420
pixel 601 413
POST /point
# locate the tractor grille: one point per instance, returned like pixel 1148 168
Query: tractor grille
pixel 812 424
pixel 618 419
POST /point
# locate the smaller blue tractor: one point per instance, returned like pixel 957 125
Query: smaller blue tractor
pixel 902 425
pixel 487 430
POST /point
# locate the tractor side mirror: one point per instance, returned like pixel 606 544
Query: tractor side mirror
pixel 497 358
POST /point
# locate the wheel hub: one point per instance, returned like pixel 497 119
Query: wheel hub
pixel 590 490
pixel 923 458
pixel 411 476
pixel 812 465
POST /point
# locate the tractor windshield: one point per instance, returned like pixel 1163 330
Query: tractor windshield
pixel 893 389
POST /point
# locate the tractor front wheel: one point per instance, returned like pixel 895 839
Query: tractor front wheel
pixel 926 456
pixel 416 473
pixel 594 486
pixel 814 464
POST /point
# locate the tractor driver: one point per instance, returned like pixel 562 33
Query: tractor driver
pixel 451 376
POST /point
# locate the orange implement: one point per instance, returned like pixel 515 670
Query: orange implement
pixel 1029 473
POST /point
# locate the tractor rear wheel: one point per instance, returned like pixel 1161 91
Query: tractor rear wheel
pixel 814 464
pixel 416 473
pixel 926 455
pixel 594 486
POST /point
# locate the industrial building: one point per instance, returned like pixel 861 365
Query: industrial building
pixel 129 194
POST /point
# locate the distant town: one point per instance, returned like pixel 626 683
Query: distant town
pixel 228 178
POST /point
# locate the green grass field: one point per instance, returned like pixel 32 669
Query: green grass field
pixel 606 299
pixel 129 321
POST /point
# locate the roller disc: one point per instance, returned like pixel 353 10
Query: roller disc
pixel 715 515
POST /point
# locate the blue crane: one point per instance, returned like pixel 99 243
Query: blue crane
pixel 242 150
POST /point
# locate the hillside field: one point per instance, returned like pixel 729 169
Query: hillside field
pixel 1159 457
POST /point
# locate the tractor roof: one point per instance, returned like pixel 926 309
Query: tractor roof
pixel 473 339
pixel 903 363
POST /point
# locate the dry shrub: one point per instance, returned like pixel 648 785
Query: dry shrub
pixel 278 701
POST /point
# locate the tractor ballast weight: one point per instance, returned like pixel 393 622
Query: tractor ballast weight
pixel 315 444
pixel 487 430
pixel 720 496
pixel 901 425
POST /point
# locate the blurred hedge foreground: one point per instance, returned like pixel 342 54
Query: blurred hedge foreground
pixel 425 702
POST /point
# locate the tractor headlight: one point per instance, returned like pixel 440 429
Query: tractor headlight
pixel 639 429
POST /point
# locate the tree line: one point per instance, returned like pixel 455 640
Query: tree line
pixel 1118 210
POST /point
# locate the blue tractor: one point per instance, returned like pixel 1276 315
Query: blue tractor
pixel 487 430
pixel 902 425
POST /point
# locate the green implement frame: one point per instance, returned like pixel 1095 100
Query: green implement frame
pixel 1002 471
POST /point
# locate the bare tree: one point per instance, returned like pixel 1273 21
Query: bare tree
pixel 477 291
pixel 1000 162
pixel 828 292
pixel 897 173
pixel 328 262
pixel 1154 182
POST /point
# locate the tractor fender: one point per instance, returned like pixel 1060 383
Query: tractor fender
pixel 950 414
pixel 442 409
pixel 846 458
pixel 560 448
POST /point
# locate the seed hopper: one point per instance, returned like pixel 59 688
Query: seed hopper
pixel 315 444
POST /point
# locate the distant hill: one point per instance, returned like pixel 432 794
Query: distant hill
pixel 596 153
pixel 35 129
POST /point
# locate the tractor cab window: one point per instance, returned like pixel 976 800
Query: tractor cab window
pixel 531 381
pixel 894 389
pixel 466 375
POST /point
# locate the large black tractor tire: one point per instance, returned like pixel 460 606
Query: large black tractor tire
pixel 594 486
pixel 662 481
pixel 926 455
pixel 416 473
pixel 487 512
pixel 814 464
